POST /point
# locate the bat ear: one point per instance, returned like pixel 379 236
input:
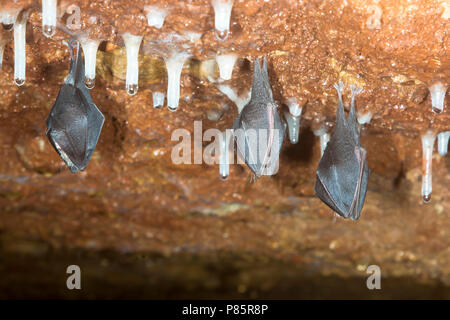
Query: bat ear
pixel 352 115
pixel 76 73
pixel 79 67
pixel 264 69
pixel 261 86
pixel 340 114
pixel 355 91
pixel 256 68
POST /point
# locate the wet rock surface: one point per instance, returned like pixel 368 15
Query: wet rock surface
pixel 133 212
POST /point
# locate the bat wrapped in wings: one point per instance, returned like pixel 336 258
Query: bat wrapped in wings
pixel 343 173
pixel 259 130
pixel 74 123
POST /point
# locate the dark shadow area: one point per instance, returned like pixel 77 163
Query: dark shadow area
pixel 245 65
pixel 400 176
pixel 302 152
pixel 41 274
pixel 114 130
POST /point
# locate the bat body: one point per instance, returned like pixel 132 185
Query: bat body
pixel 259 130
pixel 343 172
pixel 74 123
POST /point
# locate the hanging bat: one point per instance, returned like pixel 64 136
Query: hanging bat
pixel 343 172
pixel 74 123
pixel 259 130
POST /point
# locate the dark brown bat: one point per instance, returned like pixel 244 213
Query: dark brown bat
pixel 343 172
pixel 259 130
pixel 74 123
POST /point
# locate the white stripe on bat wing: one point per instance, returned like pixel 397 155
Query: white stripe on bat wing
pixel 64 156
pixel 74 147
pixel 270 116
pixel 361 156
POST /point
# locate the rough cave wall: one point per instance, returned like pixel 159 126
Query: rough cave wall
pixel 132 198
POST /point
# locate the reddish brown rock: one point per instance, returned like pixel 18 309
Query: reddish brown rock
pixel 132 198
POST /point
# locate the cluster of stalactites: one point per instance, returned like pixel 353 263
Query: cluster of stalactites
pixel 438 91
pixel 176 58
pixel 155 18
pixel 428 140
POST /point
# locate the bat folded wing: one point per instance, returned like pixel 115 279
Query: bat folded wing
pixel 324 195
pixel 361 186
pixel 66 131
pixel 342 181
pixel 73 128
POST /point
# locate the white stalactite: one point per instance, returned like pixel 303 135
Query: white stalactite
pixel 132 44
pixel 155 16
pixel 8 17
pixel 20 59
pixel 90 48
pixel 364 118
pixel 174 66
pixel 158 99
pixel 293 119
pixel 2 49
pixel 222 17
pixel 443 138
pixel 324 138
pixel 224 165
pixel 438 91
pixel 428 140
pixel 226 64
pixel 49 8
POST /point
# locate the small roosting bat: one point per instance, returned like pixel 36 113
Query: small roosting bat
pixel 343 172
pixel 259 130
pixel 74 123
